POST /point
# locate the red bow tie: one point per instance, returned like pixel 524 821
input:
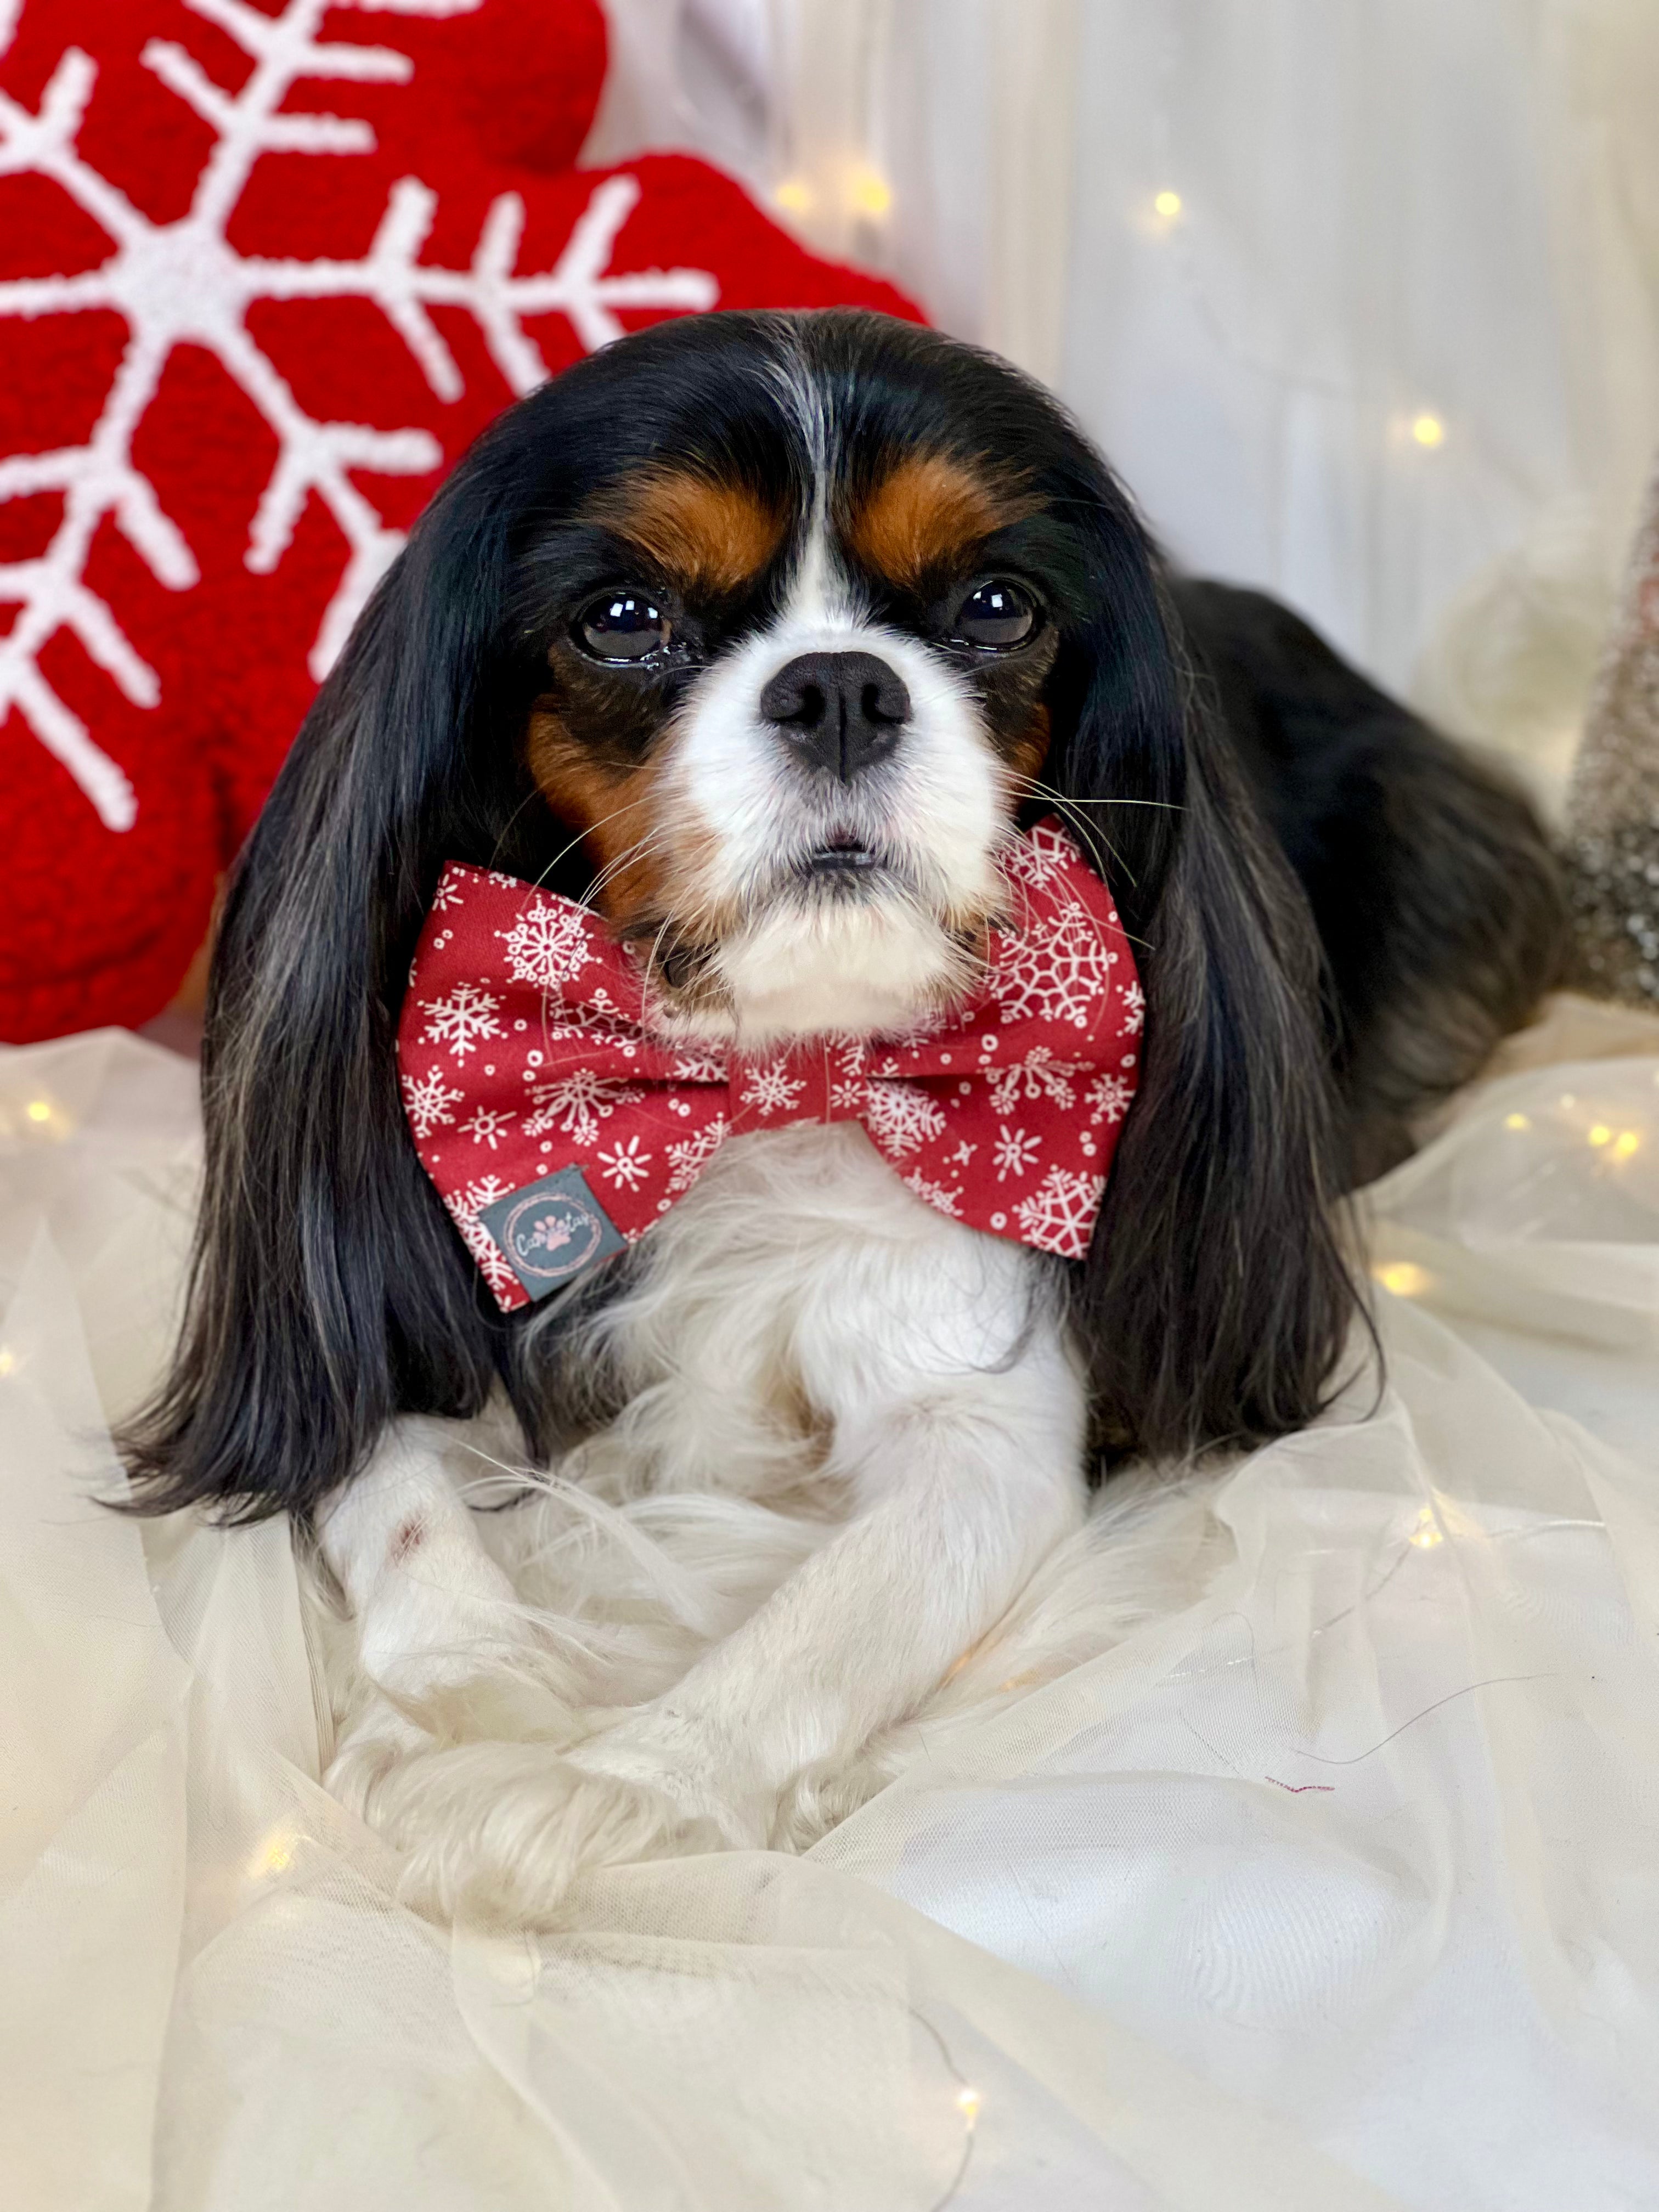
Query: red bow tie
pixel 558 1126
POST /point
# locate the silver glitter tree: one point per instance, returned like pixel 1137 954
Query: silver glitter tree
pixel 1613 804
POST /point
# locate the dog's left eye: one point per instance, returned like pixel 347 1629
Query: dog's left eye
pixel 624 626
pixel 995 616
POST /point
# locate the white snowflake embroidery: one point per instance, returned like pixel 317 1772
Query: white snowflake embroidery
pixel 940 1196
pixel 963 1152
pixel 771 1089
pixel 462 1020
pixel 1015 1152
pixel 1056 969
pixel 576 1104
pixel 486 1124
pixel 688 1159
pixel 548 944
pixel 464 1205
pixel 1061 1216
pixel 1134 1009
pixel 901 1117
pixel 448 894
pixel 1039 1075
pixel 1109 1100
pixel 183 283
pixel 624 1167
pixel 426 1101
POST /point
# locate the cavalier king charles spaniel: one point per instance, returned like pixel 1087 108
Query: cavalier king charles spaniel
pixel 781 655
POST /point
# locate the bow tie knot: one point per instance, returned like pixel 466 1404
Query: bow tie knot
pixel 557 1123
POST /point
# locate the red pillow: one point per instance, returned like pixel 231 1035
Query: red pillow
pixel 264 272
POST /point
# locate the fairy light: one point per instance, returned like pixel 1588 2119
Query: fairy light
pixel 1428 1532
pixel 868 193
pixel 273 1856
pixel 1403 1277
pixel 1168 204
pixel 1516 1121
pixel 1428 430
pixel 39 1110
pixel 1624 1143
pixel 793 195
pixel 7 1359
pixel 1600 1134
pixel 968 2104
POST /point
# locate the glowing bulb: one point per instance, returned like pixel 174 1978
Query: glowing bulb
pixel 1516 1121
pixel 1624 1143
pixel 7 1359
pixel 1403 1277
pixel 968 2103
pixel 39 1110
pixel 1567 1098
pixel 868 193
pixel 1600 1134
pixel 273 1856
pixel 1428 430
pixel 1168 204
pixel 1426 1534
pixel 793 195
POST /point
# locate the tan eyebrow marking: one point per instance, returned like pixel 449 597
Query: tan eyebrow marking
pixel 707 535
pixel 928 513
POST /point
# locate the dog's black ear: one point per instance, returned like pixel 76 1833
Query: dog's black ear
pixel 1216 1299
pixel 328 1290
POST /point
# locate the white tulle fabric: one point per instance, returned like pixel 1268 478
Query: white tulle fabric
pixel 1292 1846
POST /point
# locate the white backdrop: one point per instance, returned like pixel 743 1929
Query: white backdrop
pixel 1391 349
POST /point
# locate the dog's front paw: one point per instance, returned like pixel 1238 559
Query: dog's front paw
pixel 498 1833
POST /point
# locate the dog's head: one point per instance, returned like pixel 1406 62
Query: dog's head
pixel 763 633
pixel 792 642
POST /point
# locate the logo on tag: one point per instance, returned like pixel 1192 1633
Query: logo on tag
pixel 552 1230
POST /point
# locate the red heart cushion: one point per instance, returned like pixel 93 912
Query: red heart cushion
pixel 264 272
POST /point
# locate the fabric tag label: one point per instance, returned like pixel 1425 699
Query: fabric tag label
pixel 552 1231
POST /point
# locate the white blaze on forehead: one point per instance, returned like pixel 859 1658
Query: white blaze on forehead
pixel 799 961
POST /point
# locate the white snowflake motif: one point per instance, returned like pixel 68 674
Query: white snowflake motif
pixel 771 1088
pixel 942 1197
pixel 697 1067
pixel 901 1117
pixel 1015 1152
pixel 576 1104
pixel 1041 857
pixel 1109 1099
pixel 426 1101
pixel 183 283
pixel 462 1020
pixel 1039 1075
pixel 963 1152
pixel 624 1167
pixel 688 1159
pixel 1061 1216
pixel 464 1205
pixel 548 944
pixel 1055 971
pixel 487 1124
pixel 1134 1009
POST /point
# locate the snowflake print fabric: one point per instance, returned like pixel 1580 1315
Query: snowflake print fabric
pixel 266 268
pixel 1002 1112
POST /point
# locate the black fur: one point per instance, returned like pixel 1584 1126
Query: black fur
pixel 1437 900
pixel 330 1290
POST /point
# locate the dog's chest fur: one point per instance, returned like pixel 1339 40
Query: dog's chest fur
pixel 796 1273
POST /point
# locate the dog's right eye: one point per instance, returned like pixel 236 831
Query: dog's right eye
pixel 623 627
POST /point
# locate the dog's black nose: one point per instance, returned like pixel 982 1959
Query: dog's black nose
pixel 843 711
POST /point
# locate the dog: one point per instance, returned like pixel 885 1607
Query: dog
pixel 776 645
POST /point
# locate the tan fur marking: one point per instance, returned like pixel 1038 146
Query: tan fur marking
pixel 927 514
pixel 707 536
pixel 611 812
